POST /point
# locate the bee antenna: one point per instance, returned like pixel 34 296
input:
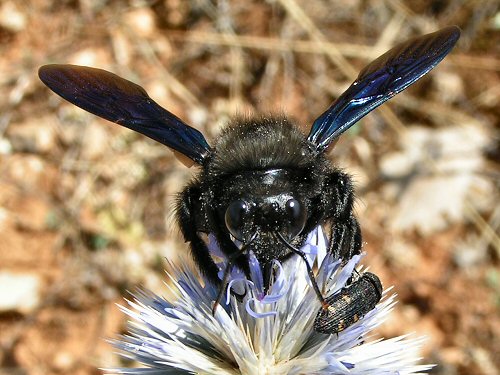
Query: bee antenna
pixel 310 272
pixel 227 271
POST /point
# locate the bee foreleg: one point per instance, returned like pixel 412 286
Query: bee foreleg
pixel 186 215
pixel 345 233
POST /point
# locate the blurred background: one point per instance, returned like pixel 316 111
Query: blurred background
pixel 86 206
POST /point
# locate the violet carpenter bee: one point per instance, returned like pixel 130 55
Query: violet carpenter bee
pixel 263 185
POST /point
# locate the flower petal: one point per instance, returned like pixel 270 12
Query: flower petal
pixel 270 333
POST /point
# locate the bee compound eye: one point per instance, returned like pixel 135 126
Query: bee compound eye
pixel 235 217
pixel 297 215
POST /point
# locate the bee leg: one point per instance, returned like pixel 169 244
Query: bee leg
pixel 345 233
pixel 190 228
pixel 345 238
pixel 310 272
pixel 230 262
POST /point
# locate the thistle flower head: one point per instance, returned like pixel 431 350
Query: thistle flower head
pixel 265 333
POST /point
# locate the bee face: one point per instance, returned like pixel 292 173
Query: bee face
pixel 258 205
pixel 278 213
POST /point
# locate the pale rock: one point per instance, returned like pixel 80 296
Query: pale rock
pixel 5 146
pixel 141 22
pixel 430 204
pixel 484 360
pixel 24 85
pixel 64 361
pixel 11 18
pixel 198 117
pixel 19 292
pixel 93 57
pixel 160 93
pixel 435 173
pixel 450 87
pixel 36 135
pixel 396 164
pixel 95 141
pixel 4 218
pixel 471 251
pixel 403 254
pixel 363 149
pixel 25 169
pixel 135 264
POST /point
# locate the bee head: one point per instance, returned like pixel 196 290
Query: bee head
pixel 270 214
pixel 260 204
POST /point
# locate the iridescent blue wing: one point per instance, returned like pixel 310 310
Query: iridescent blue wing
pixel 383 78
pixel 118 100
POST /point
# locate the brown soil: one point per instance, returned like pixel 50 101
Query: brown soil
pixel 86 207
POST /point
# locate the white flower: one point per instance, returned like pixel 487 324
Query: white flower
pixel 270 334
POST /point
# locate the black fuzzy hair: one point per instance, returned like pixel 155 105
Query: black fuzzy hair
pixel 259 144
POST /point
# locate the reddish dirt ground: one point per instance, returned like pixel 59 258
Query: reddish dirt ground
pixel 86 207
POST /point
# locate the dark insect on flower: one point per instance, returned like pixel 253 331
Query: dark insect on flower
pixel 263 185
pixel 349 305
